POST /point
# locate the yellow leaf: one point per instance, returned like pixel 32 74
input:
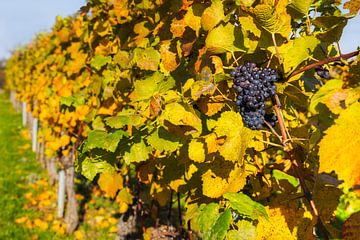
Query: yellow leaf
pixel 41 224
pixel 284 224
pixel 339 147
pixel 123 207
pixel 215 186
pixel 79 234
pixel 196 151
pixel 21 220
pixel 212 15
pixel 110 183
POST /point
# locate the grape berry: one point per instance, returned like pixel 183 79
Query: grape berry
pixel 322 72
pixel 254 85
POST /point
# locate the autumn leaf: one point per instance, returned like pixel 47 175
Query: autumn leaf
pixel 196 151
pixel 110 183
pixel 338 148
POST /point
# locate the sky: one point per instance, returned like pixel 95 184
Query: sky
pixel 20 20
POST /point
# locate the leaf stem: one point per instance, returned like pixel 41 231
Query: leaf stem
pixel 325 61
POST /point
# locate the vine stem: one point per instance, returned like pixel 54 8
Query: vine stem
pixel 295 165
pixel 325 61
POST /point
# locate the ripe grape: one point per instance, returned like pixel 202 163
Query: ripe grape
pixel 253 86
pixel 322 72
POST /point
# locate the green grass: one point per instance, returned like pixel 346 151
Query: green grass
pixel 17 168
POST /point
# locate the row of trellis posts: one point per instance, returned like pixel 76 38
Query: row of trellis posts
pixel 125 226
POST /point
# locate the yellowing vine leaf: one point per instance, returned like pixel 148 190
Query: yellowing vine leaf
pixel 339 148
pixel 237 137
pixel 215 186
pixel 212 15
pixel 334 96
pixel 181 115
pixel 196 151
pixel 138 152
pixel 225 38
pixel 110 183
pixel 274 19
pixel 284 224
pixel 353 6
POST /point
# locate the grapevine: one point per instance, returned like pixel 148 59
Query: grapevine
pixel 142 98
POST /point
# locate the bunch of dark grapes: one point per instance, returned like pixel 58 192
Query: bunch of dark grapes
pixel 322 72
pixel 254 85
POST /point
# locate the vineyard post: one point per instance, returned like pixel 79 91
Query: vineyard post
pixel 23 114
pixel 34 134
pixel 61 194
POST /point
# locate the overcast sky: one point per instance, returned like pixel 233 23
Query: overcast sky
pixel 20 20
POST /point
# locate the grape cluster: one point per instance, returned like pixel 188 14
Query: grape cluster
pixel 322 72
pixel 254 85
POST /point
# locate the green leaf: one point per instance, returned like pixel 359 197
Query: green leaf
pixel 274 19
pixel 146 59
pixel 90 167
pixel 245 231
pixel 300 6
pixel 99 61
pixel 331 26
pixel 246 206
pixel 297 51
pixel 122 58
pixel 222 224
pixel 162 140
pixel 207 219
pixel 225 38
pixel 103 140
pixel 279 175
pixel 155 84
pixel 139 152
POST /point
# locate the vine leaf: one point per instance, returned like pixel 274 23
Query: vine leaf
pixel 110 183
pixel 103 140
pixel 237 137
pixel 225 38
pixel 150 86
pixel 139 152
pixel 222 224
pixel 332 27
pixel 244 205
pixel 334 96
pixel 339 146
pixel 89 167
pixel 181 115
pixel 222 178
pixel 207 218
pixel 245 230
pixel 212 15
pixel 353 6
pixel 146 59
pixel 196 151
pixel 274 19
pixel 285 223
pixel 163 140
pixel 301 6
pixel 99 61
pixel 297 51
